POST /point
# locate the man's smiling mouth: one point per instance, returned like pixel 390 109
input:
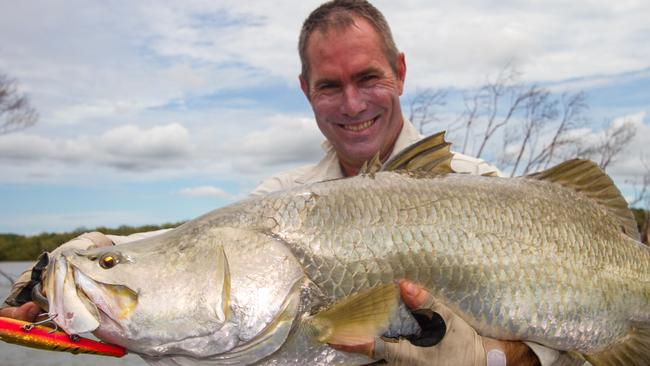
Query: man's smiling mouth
pixel 356 127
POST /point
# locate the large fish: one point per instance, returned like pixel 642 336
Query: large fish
pixel 552 258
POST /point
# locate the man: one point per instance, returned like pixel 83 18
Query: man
pixel 353 76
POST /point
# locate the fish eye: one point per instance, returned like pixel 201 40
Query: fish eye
pixel 108 261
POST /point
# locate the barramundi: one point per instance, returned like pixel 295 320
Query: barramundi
pixel 552 258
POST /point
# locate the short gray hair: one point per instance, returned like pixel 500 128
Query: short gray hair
pixel 340 14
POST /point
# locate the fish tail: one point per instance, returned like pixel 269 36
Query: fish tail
pixel 632 350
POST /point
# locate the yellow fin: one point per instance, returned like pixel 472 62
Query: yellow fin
pixel 586 177
pixel 431 154
pixel 632 350
pixel 356 319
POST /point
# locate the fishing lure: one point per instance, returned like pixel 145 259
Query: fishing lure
pixel 35 335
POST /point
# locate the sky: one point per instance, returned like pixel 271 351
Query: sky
pixel 160 111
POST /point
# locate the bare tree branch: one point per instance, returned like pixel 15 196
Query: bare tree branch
pixel 605 150
pixel 641 194
pixel 423 107
pixel 16 113
pixel 472 114
pixel 570 117
pixel 539 109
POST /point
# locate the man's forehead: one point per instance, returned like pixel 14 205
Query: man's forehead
pixel 355 39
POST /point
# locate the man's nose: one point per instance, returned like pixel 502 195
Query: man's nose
pixel 353 102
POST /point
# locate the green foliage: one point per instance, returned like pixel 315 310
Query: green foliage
pixel 23 248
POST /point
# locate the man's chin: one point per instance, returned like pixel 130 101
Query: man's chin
pixel 356 157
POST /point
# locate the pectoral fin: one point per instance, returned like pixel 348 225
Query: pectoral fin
pixel 357 319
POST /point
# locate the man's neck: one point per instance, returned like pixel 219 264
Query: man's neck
pixel 349 170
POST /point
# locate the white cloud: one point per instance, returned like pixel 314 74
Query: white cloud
pixel 206 191
pixel 85 61
pixel 285 141
pixel 124 147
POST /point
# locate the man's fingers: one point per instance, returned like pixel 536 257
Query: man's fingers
pixel 26 312
pixel 414 295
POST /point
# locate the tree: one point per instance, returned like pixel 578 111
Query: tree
pixel 535 126
pixel 16 113
pixel 605 149
pixel 422 107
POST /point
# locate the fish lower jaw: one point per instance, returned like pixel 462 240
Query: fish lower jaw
pixel 359 126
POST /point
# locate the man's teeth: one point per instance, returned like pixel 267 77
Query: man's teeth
pixel 359 126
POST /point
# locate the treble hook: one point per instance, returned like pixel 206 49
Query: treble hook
pixel 49 319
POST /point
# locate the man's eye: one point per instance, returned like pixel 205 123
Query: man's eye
pixel 367 78
pixel 324 87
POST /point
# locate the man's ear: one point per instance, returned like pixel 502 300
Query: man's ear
pixel 401 72
pixel 304 85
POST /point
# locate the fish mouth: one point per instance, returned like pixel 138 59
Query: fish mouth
pixel 359 126
pixel 70 309
pixel 78 304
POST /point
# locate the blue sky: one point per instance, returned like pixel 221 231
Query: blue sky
pixel 159 111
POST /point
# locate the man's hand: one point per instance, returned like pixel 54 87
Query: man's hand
pixel 460 346
pixel 26 312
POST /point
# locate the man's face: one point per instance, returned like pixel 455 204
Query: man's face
pixel 354 92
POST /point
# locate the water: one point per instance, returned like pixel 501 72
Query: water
pixel 13 355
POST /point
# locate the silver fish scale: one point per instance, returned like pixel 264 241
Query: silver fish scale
pixel 517 258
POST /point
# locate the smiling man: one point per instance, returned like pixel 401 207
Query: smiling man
pixel 353 76
pixel 354 91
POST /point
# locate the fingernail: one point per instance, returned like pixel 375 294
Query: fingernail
pixel 411 289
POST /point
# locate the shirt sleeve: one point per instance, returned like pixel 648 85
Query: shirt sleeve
pixel 119 239
pixel 550 357
pixel 285 180
pixel 466 164
pixel 547 356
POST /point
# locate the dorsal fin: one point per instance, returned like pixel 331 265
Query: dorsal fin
pixel 431 154
pixel 371 167
pixel 586 177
